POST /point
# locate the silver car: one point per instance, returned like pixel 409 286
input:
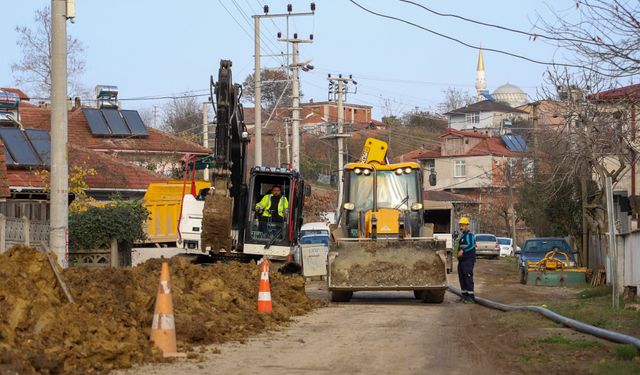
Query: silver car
pixel 487 245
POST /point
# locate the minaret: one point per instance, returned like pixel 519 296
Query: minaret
pixel 481 85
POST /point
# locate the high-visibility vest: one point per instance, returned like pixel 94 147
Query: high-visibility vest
pixel 265 204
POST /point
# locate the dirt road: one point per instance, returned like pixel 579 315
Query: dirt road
pixel 381 333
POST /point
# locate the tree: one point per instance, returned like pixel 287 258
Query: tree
pixel 183 116
pixel 454 99
pixel 33 71
pixel 276 89
pixel 604 39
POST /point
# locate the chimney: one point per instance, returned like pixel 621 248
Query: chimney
pixel 77 104
pixel 69 104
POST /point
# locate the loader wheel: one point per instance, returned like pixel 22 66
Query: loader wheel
pixel 340 296
pixel 433 296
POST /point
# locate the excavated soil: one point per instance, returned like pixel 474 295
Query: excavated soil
pixel 388 273
pixel 108 325
pixel 216 222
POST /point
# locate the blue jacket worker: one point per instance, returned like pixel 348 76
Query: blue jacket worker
pixel 466 261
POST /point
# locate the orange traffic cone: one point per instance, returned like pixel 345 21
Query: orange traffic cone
pixel 163 328
pixel 264 291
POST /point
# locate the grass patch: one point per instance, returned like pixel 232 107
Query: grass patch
pixel 600 291
pixel 567 342
pixel 626 352
pixel 616 368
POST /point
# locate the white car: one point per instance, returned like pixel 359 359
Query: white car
pixel 506 246
pixel 314 228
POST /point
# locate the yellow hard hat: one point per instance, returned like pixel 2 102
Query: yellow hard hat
pixel 464 220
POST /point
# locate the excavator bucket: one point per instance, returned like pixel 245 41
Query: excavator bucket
pixel 216 223
pixel 386 264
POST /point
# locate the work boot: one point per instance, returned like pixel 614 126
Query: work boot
pixel 471 298
pixel 462 298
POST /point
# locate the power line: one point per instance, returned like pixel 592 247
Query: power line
pixel 539 62
pixel 532 36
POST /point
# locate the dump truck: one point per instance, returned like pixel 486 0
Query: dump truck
pixel 163 200
pixel 381 242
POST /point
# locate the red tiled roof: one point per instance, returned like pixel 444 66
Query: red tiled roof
pixel 461 133
pixel 112 173
pixel 420 153
pixel 4 185
pixel 487 146
pixel 490 146
pixel 18 92
pixel 80 134
pixel 627 92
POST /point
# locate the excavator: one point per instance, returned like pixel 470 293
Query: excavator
pixel 230 228
pixel 380 241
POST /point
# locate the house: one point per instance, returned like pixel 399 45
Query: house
pixel 625 101
pixel 487 116
pixel 126 155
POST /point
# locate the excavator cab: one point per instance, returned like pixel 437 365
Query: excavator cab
pixel 275 233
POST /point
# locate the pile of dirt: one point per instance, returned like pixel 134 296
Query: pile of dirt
pixel 216 222
pixel 108 325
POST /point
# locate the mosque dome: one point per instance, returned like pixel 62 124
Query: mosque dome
pixel 510 94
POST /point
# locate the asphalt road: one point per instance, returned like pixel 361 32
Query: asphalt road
pixel 375 333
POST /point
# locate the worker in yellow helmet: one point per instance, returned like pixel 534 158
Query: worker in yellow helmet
pixel 466 260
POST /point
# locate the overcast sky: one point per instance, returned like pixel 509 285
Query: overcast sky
pixel 151 47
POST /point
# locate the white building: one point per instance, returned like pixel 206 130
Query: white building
pixel 487 116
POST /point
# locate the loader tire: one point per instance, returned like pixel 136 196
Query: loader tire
pixel 433 296
pixel 341 296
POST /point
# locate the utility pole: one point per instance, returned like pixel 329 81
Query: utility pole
pixel 295 107
pixel 279 147
pixel 257 157
pixel 205 134
pixel 257 79
pixel 613 251
pixel 59 223
pixel 286 140
pixel 338 88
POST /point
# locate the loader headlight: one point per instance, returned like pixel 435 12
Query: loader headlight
pixel 349 206
pixel 357 171
pixel 416 206
pixel 366 172
pixel 407 170
pixel 399 171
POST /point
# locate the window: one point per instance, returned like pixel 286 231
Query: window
pixel 473 118
pixel 460 168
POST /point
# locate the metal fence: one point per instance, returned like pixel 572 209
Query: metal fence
pixel 22 231
pixel 629 245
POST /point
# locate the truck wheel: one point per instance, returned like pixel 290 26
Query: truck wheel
pixel 523 276
pixel 340 296
pixel 433 296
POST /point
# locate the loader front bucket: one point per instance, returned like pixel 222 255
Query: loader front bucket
pixel 386 264
pixel 556 278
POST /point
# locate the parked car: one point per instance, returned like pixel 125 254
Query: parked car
pixel 314 228
pixel 506 246
pixel 487 245
pixel 534 250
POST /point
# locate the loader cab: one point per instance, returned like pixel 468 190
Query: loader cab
pixel 394 189
pixel 273 235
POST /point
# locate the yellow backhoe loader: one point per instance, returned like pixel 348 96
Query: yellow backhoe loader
pixel 381 241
